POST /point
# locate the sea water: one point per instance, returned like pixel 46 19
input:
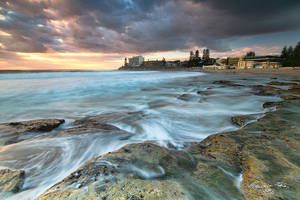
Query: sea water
pixel 165 109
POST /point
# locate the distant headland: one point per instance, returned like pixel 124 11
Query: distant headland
pixel 290 57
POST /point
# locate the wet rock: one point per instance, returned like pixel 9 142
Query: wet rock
pixel 11 181
pixel 127 172
pixel 261 90
pixel 93 121
pixel 290 97
pixel 218 147
pixel 125 189
pixel 98 121
pixel 92 128
pixel 43 125
pixel 158 104
pixel 185 97
pixel 271 104
pixel 281 83
pixel 205 92
pixel 145 171
pixel 150 89
pixel 253 185
pixel 296 80
pixel 99 125
pixel 242 120
pixel 18 131
pixel 295 89
pixel 227 83
pixel 266 152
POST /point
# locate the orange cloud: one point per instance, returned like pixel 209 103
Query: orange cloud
pixel 83 61
pixel 107 61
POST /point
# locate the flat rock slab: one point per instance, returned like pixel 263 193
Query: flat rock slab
pixel 271 104
pixel 144 171
pixel 267 151
pixel 11 181
pixel 281 83
pixel 227 83
pixel 42 125
pixel 262 90
pixel 14 132
pixel 243 120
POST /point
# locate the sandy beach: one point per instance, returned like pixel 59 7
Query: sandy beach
pixel 286 71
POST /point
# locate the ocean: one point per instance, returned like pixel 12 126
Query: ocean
pixel 172 109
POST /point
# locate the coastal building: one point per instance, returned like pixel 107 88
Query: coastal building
pixel 232 62
pixel 175 63
pixel 154 63
pixel 221 61
pixel 215 67
pixel 259 62
pixel 220 64
pixel 136 61
pixel 195 60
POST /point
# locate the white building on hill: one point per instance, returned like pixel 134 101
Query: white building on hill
pixel 136 61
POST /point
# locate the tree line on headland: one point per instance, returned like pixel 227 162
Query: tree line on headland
pixel 290 56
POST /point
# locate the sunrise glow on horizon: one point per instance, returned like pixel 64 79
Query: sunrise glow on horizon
pixel 98 35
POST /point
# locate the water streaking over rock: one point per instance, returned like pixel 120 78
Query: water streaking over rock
pixel 103 111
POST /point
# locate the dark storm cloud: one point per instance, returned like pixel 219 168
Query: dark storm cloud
pixel 256 16
pixel 140 26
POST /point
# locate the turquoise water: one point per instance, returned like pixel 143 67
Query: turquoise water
pixel 44 95
pixel 159 114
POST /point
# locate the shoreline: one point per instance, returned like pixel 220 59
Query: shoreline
pixel 285 71
pixel 276 72
pixel 244 148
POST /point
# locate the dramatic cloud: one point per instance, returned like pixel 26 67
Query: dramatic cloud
pixel 138 26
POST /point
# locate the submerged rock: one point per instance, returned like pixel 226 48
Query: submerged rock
pixel 290 97
pixel 11 181
pixel 205 92
pixel 266 90
pixel 242 120
pixel 159 104
pixel 295 89
pixel 100 124
pixel 186 97
pixel 42 125
pixel 126 173
pixel 271 104
pixel 227 83
pixel 144 171
pixel 18 131
pixel 96 121
pixel 281 83
pixel 296 80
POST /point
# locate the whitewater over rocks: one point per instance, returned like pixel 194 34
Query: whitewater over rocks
pixel 165 148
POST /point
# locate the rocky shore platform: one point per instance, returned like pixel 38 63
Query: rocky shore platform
pixel 259 161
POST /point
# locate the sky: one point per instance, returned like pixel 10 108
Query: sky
pixel 99 34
